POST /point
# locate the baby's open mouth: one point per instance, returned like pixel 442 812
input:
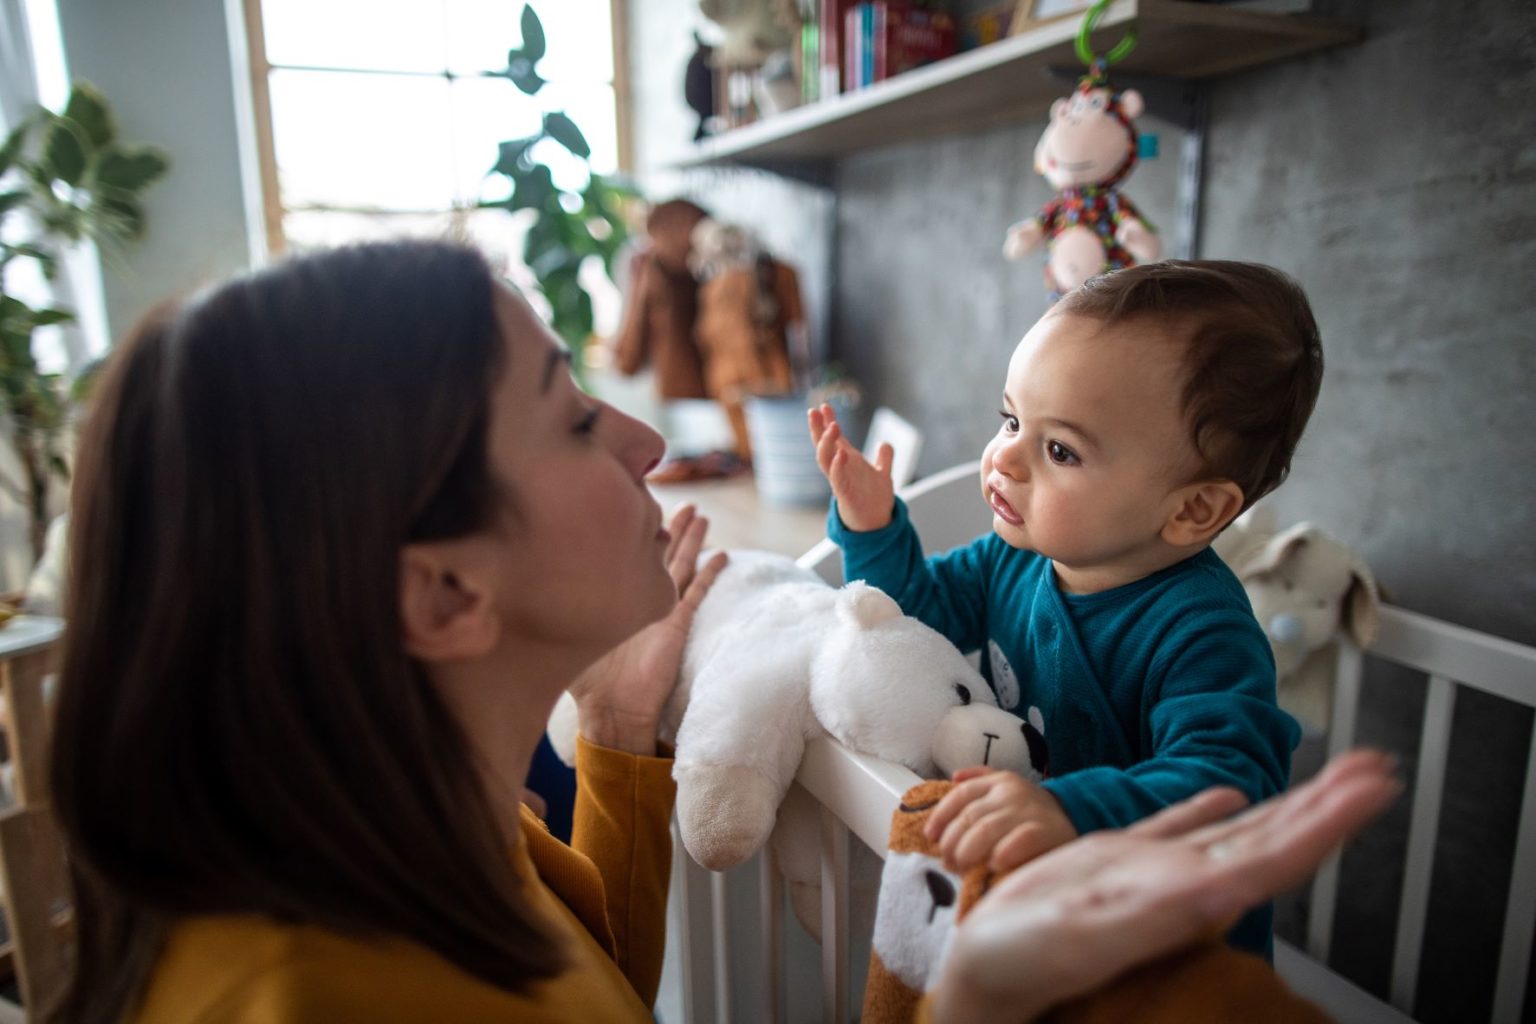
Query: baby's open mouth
pixel 1002 508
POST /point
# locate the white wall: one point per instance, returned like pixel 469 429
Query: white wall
pixel 168 71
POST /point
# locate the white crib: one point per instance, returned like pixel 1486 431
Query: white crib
pixel 736 956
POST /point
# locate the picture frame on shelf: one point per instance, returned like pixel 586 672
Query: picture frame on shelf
pixel 1029 14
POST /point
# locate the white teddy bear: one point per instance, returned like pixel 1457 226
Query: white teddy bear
pixel 1305 588
pixel 777 657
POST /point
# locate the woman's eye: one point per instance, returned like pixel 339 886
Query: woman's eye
pixel 588 421
pixel 1060 453
pixel 1010 421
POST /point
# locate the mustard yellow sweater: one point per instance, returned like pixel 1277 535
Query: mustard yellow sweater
pixel 609 894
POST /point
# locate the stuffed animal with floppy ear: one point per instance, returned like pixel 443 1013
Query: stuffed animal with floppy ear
pixel 1088 149
pixel 777 657
pixel 921 901
pixel 1306 589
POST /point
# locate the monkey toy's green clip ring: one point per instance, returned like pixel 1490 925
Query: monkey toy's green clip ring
pixel 1122 48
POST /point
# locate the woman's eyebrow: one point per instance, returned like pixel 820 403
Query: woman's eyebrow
pixel 557 356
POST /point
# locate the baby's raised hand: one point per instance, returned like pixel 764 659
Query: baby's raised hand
pixel 863 489
pixel 998 819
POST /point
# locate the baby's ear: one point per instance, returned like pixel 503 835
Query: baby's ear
pixel 1200 511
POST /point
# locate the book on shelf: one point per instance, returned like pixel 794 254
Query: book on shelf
pixel 883 38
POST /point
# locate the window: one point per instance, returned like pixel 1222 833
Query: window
pixel 381 117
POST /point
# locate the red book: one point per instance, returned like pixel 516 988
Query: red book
pixel 833 15
pixel 913 37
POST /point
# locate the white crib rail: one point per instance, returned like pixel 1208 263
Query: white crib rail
pixel 1450 656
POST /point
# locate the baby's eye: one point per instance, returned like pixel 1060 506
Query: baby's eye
pixel 1061 454
pixel 1010 421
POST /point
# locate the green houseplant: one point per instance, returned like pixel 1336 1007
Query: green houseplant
pixel 64 178
pixel 569 224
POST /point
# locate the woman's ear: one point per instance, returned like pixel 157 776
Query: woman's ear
pixel 1201 510
pixel 444 614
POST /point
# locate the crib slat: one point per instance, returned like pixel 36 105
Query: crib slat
pixel 1341 736
pixel 720 921
pixel 771 886
pixel 1429 785
pixel 834 919
pixel 1520 913
pixel 693 937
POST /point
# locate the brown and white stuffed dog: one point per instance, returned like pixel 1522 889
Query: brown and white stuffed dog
pixel 921 901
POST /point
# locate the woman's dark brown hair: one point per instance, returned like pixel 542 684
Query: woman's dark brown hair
pixel 1253 358
pixel 239 728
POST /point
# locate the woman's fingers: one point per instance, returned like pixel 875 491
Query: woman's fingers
pixel 702 580
pixel 685 554
pixel 681 517
pixel 1369 767
pixel 1276 845
pixel 1187 815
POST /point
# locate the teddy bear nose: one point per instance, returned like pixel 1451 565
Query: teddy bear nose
pixel 1285 629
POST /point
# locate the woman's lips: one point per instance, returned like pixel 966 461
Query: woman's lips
pixel 1002 508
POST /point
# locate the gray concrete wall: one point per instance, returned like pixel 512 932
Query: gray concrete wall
pixel 1397 180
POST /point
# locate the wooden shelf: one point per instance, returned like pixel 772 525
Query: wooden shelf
pixel 1011 80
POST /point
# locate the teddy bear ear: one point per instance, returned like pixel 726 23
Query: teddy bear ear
pixel 1131 104
pixel 1058 108
pixel 1277 549
pixel 1362 604
pixel 866 606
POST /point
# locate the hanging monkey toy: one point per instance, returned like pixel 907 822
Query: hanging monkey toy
pixel 1088 149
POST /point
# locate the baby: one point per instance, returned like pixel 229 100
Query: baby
pixel 1140 416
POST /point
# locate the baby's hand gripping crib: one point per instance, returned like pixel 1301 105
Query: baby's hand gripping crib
pixel 734 959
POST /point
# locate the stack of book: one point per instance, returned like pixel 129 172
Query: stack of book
pixel 851 45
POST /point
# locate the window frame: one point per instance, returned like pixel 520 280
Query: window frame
pixel 261 70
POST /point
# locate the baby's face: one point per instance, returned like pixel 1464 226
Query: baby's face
pixel 1091 449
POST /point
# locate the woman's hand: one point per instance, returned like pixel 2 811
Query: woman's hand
pixel 864 490
pixel 619 698
pixel 1069 921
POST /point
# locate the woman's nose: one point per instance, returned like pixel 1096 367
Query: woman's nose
pixel 638 443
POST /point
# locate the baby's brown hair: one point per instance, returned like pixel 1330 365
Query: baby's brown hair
pixel 1252 356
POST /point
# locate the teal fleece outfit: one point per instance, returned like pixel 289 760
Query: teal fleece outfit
pixel 1146 694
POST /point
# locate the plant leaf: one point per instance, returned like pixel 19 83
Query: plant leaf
pixel 46 317
pixel 11 148
pixel 130 169
pixel 63 153
pixel 116 217
pixel 11 200
pixel 564 131
pixel 533 35
pixel 509 158
pixel 532 189
pixel 528 81
pixel 88 109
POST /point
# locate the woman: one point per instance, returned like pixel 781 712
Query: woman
pixel 343 533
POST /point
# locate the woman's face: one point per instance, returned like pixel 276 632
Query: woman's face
pixel 579 537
